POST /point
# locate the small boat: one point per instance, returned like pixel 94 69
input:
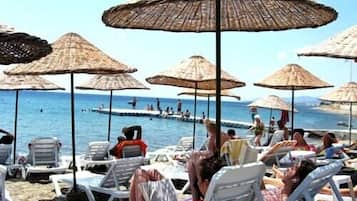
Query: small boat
pixel 342 123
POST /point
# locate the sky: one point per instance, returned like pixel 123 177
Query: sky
pixel 249 56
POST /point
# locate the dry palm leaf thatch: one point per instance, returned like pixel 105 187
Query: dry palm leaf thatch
pixel 209 93
pixel 272 102
pixel 17 47
pixel 112 82
pixel 342 45
pixel 26 82
pixel 236 15
pixel 292 77
pixel 195 72
pixel 344 94
pixel 72 54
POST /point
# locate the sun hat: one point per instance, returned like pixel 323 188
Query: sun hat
pixel 256 116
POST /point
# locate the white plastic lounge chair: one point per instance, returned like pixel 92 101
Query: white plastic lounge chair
pixel 237 183
pixel 97 153
pixel 112 183
pixel 275 153
pixel 44 157
pixel 5 153
pixel 162 190
pixel 238 151
pixel 314 182
pixel 4 195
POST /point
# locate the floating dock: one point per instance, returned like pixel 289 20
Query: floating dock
pixel 156 114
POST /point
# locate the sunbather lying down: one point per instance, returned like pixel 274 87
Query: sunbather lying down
pixel 280 176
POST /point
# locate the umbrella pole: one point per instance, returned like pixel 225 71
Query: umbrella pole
pixel 207 112
pixel 73 135
pixel 208 101
pixel 292 112
pixel 350 123
pixel 110 113
pixel 218 75
pixel 271 113
pixel 15 126
pixel 194 118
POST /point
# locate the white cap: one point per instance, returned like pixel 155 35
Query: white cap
pixel 256 116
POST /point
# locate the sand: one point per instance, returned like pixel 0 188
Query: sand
pixel 21 190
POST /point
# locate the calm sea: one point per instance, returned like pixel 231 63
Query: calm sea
pixel 54 120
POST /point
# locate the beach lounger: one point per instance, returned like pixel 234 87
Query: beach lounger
pixel 97 153
pixel 3 192
pixel 315 181
pixel 238 152
pixel 44 157
pixel 114 183
pixel 5 154
pixel 276 152
pixel 237 183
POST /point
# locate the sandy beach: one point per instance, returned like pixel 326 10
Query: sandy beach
pixel 21 190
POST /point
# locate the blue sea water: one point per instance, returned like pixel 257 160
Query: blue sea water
pixel 55 118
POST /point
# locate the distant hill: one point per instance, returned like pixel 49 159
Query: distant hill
pixel 304 100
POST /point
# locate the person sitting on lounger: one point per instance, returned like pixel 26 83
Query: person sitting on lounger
pixel 130 132
pixel 8 138
pixel 301 144
pixel 286 183
pixel 327 149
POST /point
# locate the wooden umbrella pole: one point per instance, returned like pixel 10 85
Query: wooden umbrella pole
pixel 73 135
pixel 292 112
pixel 194 117
pixel 15 126
pixel 350 123
pixel 218 75
pixel 110 113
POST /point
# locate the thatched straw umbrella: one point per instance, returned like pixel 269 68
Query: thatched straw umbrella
pixel 196 73
pixel 72 54
pixel 271 102
pixel 208 94
pixel 342 45
pixel 205 16
pixel 344 94
pixel 109 83
pixel 24 82
pixel 292 77
pixel 17 47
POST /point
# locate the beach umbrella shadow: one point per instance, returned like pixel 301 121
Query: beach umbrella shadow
pixel 112 82
pixel 205 16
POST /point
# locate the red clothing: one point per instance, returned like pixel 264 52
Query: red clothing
pixel 119 147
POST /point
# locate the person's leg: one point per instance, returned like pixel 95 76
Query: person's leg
pixel 139 177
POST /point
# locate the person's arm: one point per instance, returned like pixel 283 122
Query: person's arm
pixel 4 131
pixel 138 132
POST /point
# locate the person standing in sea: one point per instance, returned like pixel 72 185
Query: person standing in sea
pixel 158 104
pixel 134 102
pixel 179 106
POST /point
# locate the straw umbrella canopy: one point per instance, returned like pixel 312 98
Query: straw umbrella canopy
pixel 342 45
pixel 109 83
pixel 271 102
pixel 292 77
pixel 24 82
pixel 72 54
pixel 196 73
pixel 344 94
pixel 208 94
pixel 205 16
pixel 17 47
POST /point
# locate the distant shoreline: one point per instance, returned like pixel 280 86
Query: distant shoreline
pixel 338 109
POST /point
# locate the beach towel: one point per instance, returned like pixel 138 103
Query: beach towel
pixel 233 149
pixel 284 117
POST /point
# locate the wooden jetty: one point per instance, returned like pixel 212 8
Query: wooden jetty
pixel 156 114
